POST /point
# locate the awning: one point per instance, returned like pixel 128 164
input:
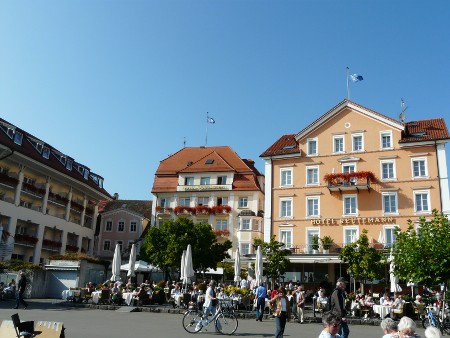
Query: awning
pixel 62 268
pixel 218 271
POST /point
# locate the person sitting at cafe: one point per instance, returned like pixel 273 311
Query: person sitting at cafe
pixel 419 306
pixel 438 303
pixel 397 306
pixel 322 301
pixel 356 306
pixel 386 300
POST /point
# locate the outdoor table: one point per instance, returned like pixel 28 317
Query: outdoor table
pixel 95 296
pixel 69 294
pixel 127 297
pixel 382 310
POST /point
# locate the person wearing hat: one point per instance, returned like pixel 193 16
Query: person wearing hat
pixel 338 306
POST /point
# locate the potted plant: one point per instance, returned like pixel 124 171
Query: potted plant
pixel 327 242
pixel 315 243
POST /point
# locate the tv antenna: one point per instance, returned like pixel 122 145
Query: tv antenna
pixel 403 107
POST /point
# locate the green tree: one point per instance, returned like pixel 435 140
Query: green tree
pixel 364 262
pixel 276 263
pixel 423 255
pixel 163 246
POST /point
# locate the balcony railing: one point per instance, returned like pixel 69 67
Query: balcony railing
pixel 25 239
pixel 334 249
pixel 358 180
pixel 164 210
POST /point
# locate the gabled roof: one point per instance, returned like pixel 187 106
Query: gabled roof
pixel 416 131
pixel 286 144
pixel 356 107
pixel 143 208
pixel 210 162
pixel 425 130
pixel 206 159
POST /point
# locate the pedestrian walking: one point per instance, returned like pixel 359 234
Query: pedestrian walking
pixel 281 310
pixel 300 303
pixel 21 290
pixel 338 306
pixel 261 294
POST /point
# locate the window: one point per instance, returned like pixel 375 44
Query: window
pixel 310 233
pixel 121 226
pixel 286 238
pixel 133 226
pixel 357 142
pixel 338 144
pixel 390 203
pixel 389 233
pixel 245 224
pixel 203 201
pixel 419 168
pixel 46 154
pixel 350 235
pixel 130 244
pixel 69 163
pixel 312 207
pixel 387 170
pixel 108 226
pixel 18 137
pixel 349 168
pixel 312 175
pixel 386 139
pixel 204 181
pixel 222 224
pixel 286 207
pixel 243 202
pixel 189 181
pixel 286 177
pixel 312 146
pixel 165 202
pixel 120 245
pixel 245 248
pixel 221 180
pixel 222 200
pixel 106 245
pixel 422 201
pixel 350 205
pixel 185 201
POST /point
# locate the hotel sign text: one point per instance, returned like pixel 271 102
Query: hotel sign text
pixel 203 187
pixel 352 221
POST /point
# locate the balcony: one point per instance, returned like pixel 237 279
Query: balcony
pixel 48 244
pixel 358 180
pixel 8 180
pixel 25 239
pixel 58 199
pixel 164 210
pixel 72 248
pixel 33 189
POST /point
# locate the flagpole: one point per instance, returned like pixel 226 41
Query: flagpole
pixel 348 86
pixel 207 121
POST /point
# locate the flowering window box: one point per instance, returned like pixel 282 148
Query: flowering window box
pixel 349 181
pixel 221 209
pixel 203 209
pixel 25 239
pixel 182 210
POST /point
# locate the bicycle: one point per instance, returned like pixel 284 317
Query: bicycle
pixel 224 319
pixel 432 320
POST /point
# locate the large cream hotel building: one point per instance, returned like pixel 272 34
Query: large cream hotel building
pixel 351 169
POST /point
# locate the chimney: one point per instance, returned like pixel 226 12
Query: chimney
pixel 116 196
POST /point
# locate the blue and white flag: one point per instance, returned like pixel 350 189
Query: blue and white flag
pixel 356 78
pixel 211 120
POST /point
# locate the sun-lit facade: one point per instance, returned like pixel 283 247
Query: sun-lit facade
pixel 48 201
pixel 212 185
pixel 351 169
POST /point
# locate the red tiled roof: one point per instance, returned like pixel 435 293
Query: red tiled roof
pixel 425 130
pixel 27 149
pixel 196 159
pixel 286 144
pixel 143 208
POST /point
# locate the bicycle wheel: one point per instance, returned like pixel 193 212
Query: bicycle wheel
pixel 426 322
pixel 192 321
pixel 226 323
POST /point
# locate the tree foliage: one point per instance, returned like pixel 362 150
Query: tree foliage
pixel 275 262
pixel 364 262
pixel 423 255
pixel 163 247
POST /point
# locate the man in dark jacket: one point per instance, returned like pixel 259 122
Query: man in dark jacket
pixel 338 306
pixel 21 290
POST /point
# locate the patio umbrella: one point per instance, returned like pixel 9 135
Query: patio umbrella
pixel 237 267
pixel 183 263
pixel 394 279
pixel 132 261
pixel 259 266
pixel 139 266
pixel 116 264
pixel 188 268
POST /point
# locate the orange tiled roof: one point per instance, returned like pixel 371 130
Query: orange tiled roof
pixel 286 144
pixel 425 130
pixel 206 159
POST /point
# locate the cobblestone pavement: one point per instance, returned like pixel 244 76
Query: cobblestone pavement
pixel 81 322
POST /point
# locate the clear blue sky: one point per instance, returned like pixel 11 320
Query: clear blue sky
pixel 118 85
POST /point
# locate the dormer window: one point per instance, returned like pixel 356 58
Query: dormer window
pixel 86 174
pixel 46 152
pixel 69 164
pixel 188 181
pixel 18 138
pixel 209 162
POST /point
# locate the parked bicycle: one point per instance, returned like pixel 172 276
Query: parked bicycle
pixel 224 319
pixel 432 319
